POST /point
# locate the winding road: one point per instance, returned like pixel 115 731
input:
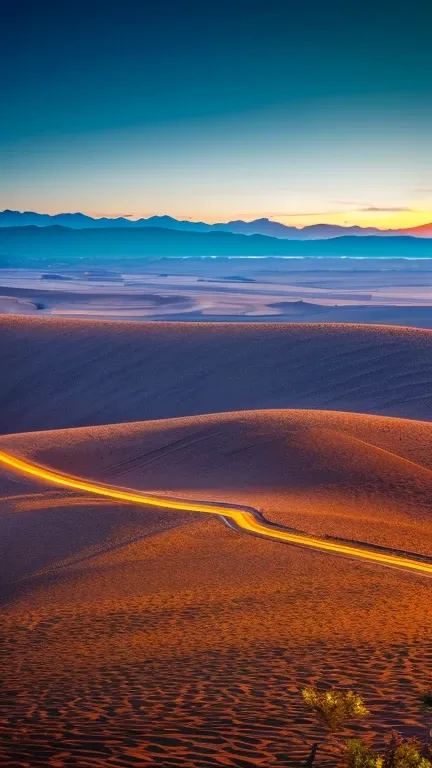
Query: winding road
pixel 245 519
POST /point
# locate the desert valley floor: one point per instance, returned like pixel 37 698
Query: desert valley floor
pixel 327 290
pixel 139 637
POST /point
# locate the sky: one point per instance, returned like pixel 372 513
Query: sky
pixel 303 112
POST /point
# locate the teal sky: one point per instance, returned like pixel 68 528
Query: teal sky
pixel 217 111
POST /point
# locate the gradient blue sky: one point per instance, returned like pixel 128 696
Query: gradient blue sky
pixel 320 111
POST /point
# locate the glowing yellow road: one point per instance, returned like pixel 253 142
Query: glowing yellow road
pixel 240 518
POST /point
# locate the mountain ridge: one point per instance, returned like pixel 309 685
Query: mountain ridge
pixel 261 226
pixel 60 245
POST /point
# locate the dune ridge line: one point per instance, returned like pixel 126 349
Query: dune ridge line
pixel 241 518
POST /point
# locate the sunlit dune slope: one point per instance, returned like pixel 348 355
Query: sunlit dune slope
pixel 65 373
pixel 366 478
pixel 156 632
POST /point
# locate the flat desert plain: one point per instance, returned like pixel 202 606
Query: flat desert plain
pixel 134 635
pixel 386 291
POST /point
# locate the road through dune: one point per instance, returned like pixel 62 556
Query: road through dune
pixel 242 519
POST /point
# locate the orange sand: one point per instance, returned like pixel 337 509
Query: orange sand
pixel 134 637
pixel 167 639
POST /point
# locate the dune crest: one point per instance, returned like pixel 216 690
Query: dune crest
pixel 365 478
pixel 130 605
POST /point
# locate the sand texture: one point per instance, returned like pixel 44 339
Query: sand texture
pixel 69 373
pixel 132 636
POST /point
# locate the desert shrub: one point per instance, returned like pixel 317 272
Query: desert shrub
pixel 405 753
pixel 335 708
pixel 400 753
pixel 357 754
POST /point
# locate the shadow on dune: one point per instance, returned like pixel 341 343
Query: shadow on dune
pixel 44 535
pixel 363 478
pixel 57 571
pixel 70 373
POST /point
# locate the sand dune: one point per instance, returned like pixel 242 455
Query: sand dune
pixel 148 638
pixel 210 308
pixel 366 478
pixel 66 373
pixel 15 305
pixel 138 637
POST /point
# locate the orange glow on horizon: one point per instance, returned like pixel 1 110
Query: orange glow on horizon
pixel 378 219
pixel 300 218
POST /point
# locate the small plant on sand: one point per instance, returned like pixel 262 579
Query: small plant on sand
pixel 400 753
pixel 358 754
pixel 405 753
pixel 334 709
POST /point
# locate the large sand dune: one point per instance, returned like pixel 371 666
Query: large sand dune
pixel 160 638
pixel 364 477
pixel 137 637
pixel 66 373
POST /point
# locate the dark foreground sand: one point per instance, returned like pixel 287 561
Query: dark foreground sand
pixel 139 638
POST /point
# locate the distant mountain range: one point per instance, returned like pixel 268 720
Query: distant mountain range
pixel 424 230
pixel 58 246
pixel 257 227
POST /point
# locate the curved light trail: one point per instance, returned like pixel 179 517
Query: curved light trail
pixel 240 518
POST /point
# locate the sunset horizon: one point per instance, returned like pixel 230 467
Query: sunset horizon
pixel 319 115
pixel 370 217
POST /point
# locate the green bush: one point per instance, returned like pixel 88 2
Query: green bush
pixel 405 753
pixel 359 755
pixel 335 708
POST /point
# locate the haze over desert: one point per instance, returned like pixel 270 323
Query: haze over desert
pixel 301 290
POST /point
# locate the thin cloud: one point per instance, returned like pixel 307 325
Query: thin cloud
pixel 390 209
pixel 285 214
pixel 98 215
pixel 353 207
pixel 369 208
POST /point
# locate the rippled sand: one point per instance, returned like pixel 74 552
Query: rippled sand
pixel 138 637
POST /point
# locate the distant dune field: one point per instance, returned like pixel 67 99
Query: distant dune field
pixel 66 373
pixel 359 291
